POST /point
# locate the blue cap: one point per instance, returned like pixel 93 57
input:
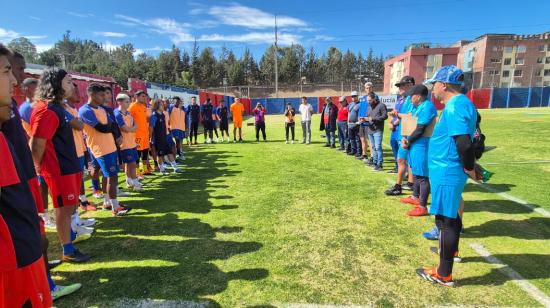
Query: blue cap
pixel 448 74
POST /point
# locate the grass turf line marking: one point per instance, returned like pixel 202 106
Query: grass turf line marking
pixel 519 162
pixel 504 195
pixel 532 290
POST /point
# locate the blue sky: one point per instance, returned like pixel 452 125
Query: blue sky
pixel 385 26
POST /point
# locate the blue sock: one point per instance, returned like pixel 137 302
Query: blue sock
pixel 95 184
pixel 50 282
pixel 68 249
pixel 73 235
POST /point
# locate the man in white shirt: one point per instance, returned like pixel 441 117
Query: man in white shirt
pixel 305 111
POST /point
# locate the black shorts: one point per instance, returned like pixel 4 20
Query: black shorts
pixel 363 131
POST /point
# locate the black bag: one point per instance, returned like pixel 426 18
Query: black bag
pixel 479 144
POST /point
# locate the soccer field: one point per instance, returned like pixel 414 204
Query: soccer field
pixel 270 224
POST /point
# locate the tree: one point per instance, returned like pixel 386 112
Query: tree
pixel 333 64
pixel 25 47
pixel 348 66
pixel 196 65
pixel 49 57
pixel 208 68
pixel 313 67
pixel 291 64
pixel 267 65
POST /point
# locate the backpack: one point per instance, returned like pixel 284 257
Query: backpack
pixel 479 140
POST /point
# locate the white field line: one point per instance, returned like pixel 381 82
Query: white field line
pixel 532 290
pixel 519 162
pixel 504 195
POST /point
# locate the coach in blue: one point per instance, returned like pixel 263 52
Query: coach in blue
pixel 451 160
pixel 193 112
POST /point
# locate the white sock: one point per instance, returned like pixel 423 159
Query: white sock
pixel 173 164
pixel 114 204
pixel 82 198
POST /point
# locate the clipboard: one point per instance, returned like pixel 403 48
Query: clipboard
pixel 408 125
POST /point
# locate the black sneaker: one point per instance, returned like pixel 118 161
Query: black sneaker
pixel 370 162
pixel 333 146
pixel 360 157
pixel 351 154
pixel 395 190
pixel 378 168
pixel 409 186
pixel 327 145
pixel 241 141
pixel 76 257
pixel 257 140
pixel 53 264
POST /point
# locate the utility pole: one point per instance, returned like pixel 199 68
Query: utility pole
pixel 276 62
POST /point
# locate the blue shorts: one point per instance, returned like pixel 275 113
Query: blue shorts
pixel 82 162
pixel 170 140
pixel 129 156
pixel 178 134
pixel 446 199
pixel 402 153
pixel 418 160
pixel 108 164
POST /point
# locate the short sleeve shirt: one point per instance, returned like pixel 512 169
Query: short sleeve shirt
pixel 458 118
pixel 425 113
pixel 126 119
pixel 100 144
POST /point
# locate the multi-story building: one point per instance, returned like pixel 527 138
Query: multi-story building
pixel 419 61
pixel 491 60
pixel 507 60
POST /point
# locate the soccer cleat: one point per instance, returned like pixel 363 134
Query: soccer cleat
pixel 121 211
pixel 178 170
pixel 76 257
pixel 87 222
pixel 457 258
pixel 432 276
pixel 87 206
pixel 60 291
pixel 98 194
pixel 370 162
pixel 164 172
pixel 53 264
pixel 395 190
pixel 432 235
pixel 292 142
pixel 138 187
pixel 418 211
pixel 410 200
pixel 378 168
pixel 82 237
pixel 107 206
pixel 286 142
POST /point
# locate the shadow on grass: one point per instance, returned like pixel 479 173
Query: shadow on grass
pixel 533 266
pixel 533 228
pixel 167 258
pixel 497 188
pixel 496 206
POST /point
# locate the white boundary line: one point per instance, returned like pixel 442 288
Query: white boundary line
pixel 519 162
pixel 532 290
pixel 504 195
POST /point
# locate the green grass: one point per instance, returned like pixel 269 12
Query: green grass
pixel 260 224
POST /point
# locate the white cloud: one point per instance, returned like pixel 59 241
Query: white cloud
pixel 130 21
pixel 323 38
pixel 253 38
pixel 80 15
pixel 43 47
pixel 35 18
pixel 35 37
pixel 8 34
pixel 244 16
pixel 110 34
pixel 178 32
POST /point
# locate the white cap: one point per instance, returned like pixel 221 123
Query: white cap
pixel 122 96
pixel 353 93
pixel 342 98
